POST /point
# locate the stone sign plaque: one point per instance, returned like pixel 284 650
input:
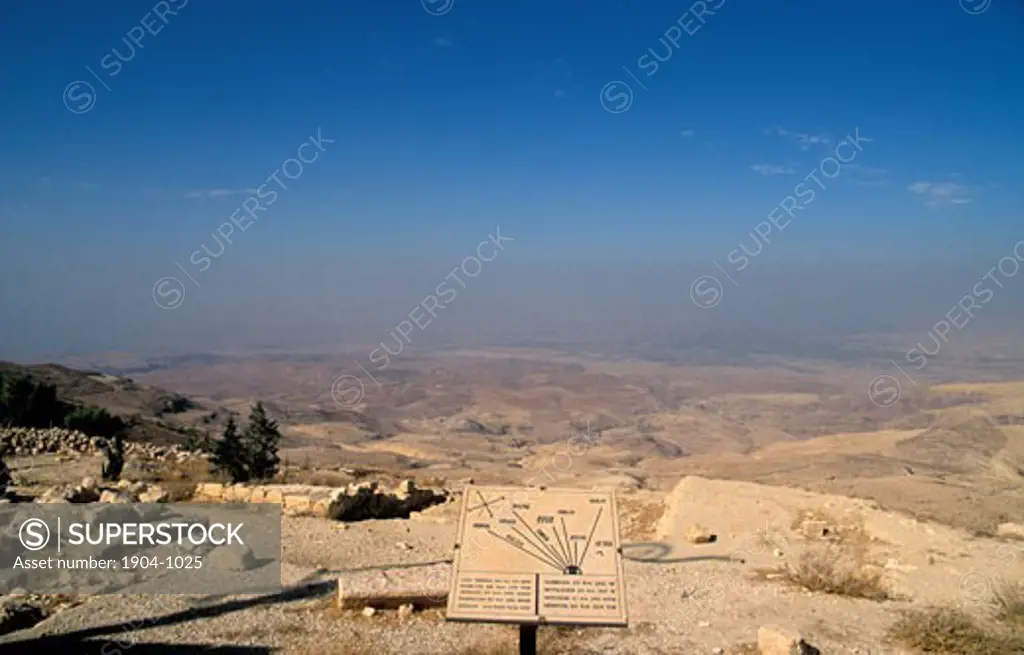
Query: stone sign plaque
pixel 538 556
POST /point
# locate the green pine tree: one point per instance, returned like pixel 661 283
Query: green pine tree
pixel 198 441
pixel 28 403
pixel 17 394
pixel 5 413
pixel 230 455
pixel 261 439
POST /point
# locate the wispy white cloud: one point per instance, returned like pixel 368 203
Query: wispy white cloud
pixel 88 186
pixel 686 133
pixel 772 169
pixel 805 140
pixel 942 193
pixel 217 193
pixel 442 41
pixel 561 93
pixel 867 175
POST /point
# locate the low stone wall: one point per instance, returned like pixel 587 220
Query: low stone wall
pixel 37 441
pixel 91 490
pixel 355 502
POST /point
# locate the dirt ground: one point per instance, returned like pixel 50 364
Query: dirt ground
pixel 682 597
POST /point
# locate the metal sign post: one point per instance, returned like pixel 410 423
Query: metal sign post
pixel 538 556
pixel 527 640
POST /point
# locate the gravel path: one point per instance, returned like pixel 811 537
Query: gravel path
pixel 683 605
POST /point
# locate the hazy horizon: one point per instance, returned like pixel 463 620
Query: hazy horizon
pixel 624 155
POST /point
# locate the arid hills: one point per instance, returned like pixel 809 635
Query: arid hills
pixel 756 501
pixel 953 452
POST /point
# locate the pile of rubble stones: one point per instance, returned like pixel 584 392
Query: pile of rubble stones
pixel 89 490
pixel 38 441
pixel 23 610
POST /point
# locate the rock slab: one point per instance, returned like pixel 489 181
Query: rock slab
pixel 391 588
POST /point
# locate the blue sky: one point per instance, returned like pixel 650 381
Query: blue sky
pixel 491 113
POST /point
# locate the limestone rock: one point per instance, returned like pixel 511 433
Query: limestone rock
pixel 1013 530
pixel 83 494
pixel 815 529
pixel 154 494
pixel 298 504
pixel 209 492
pixel 421 586
pixel 232 558
pixel 53 495
pixel 75 494
pixel 237 493
pixel 111 496
pixel 698 534
pixel 773 640
pixel 364 500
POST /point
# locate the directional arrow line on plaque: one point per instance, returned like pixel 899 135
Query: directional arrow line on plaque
pixel 568 545
pixel 543 560
pixel 527 540
pixel 550 550
pixel 592 529
pixel 547 542
pixel 558 538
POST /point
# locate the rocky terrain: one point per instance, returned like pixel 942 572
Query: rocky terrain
pixel 153 415
pixel 69 444
pixel 784 567
pixel 763 510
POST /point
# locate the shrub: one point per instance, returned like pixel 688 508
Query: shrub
pixel 828 570
pixel 94 421
pixel 953 632
pixel 176 405
pixel 1010 604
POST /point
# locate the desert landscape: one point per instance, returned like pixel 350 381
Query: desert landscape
pixel 757 504
pixel 589 327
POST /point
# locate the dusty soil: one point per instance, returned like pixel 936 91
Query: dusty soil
pixel 911 493
pixel 683 598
